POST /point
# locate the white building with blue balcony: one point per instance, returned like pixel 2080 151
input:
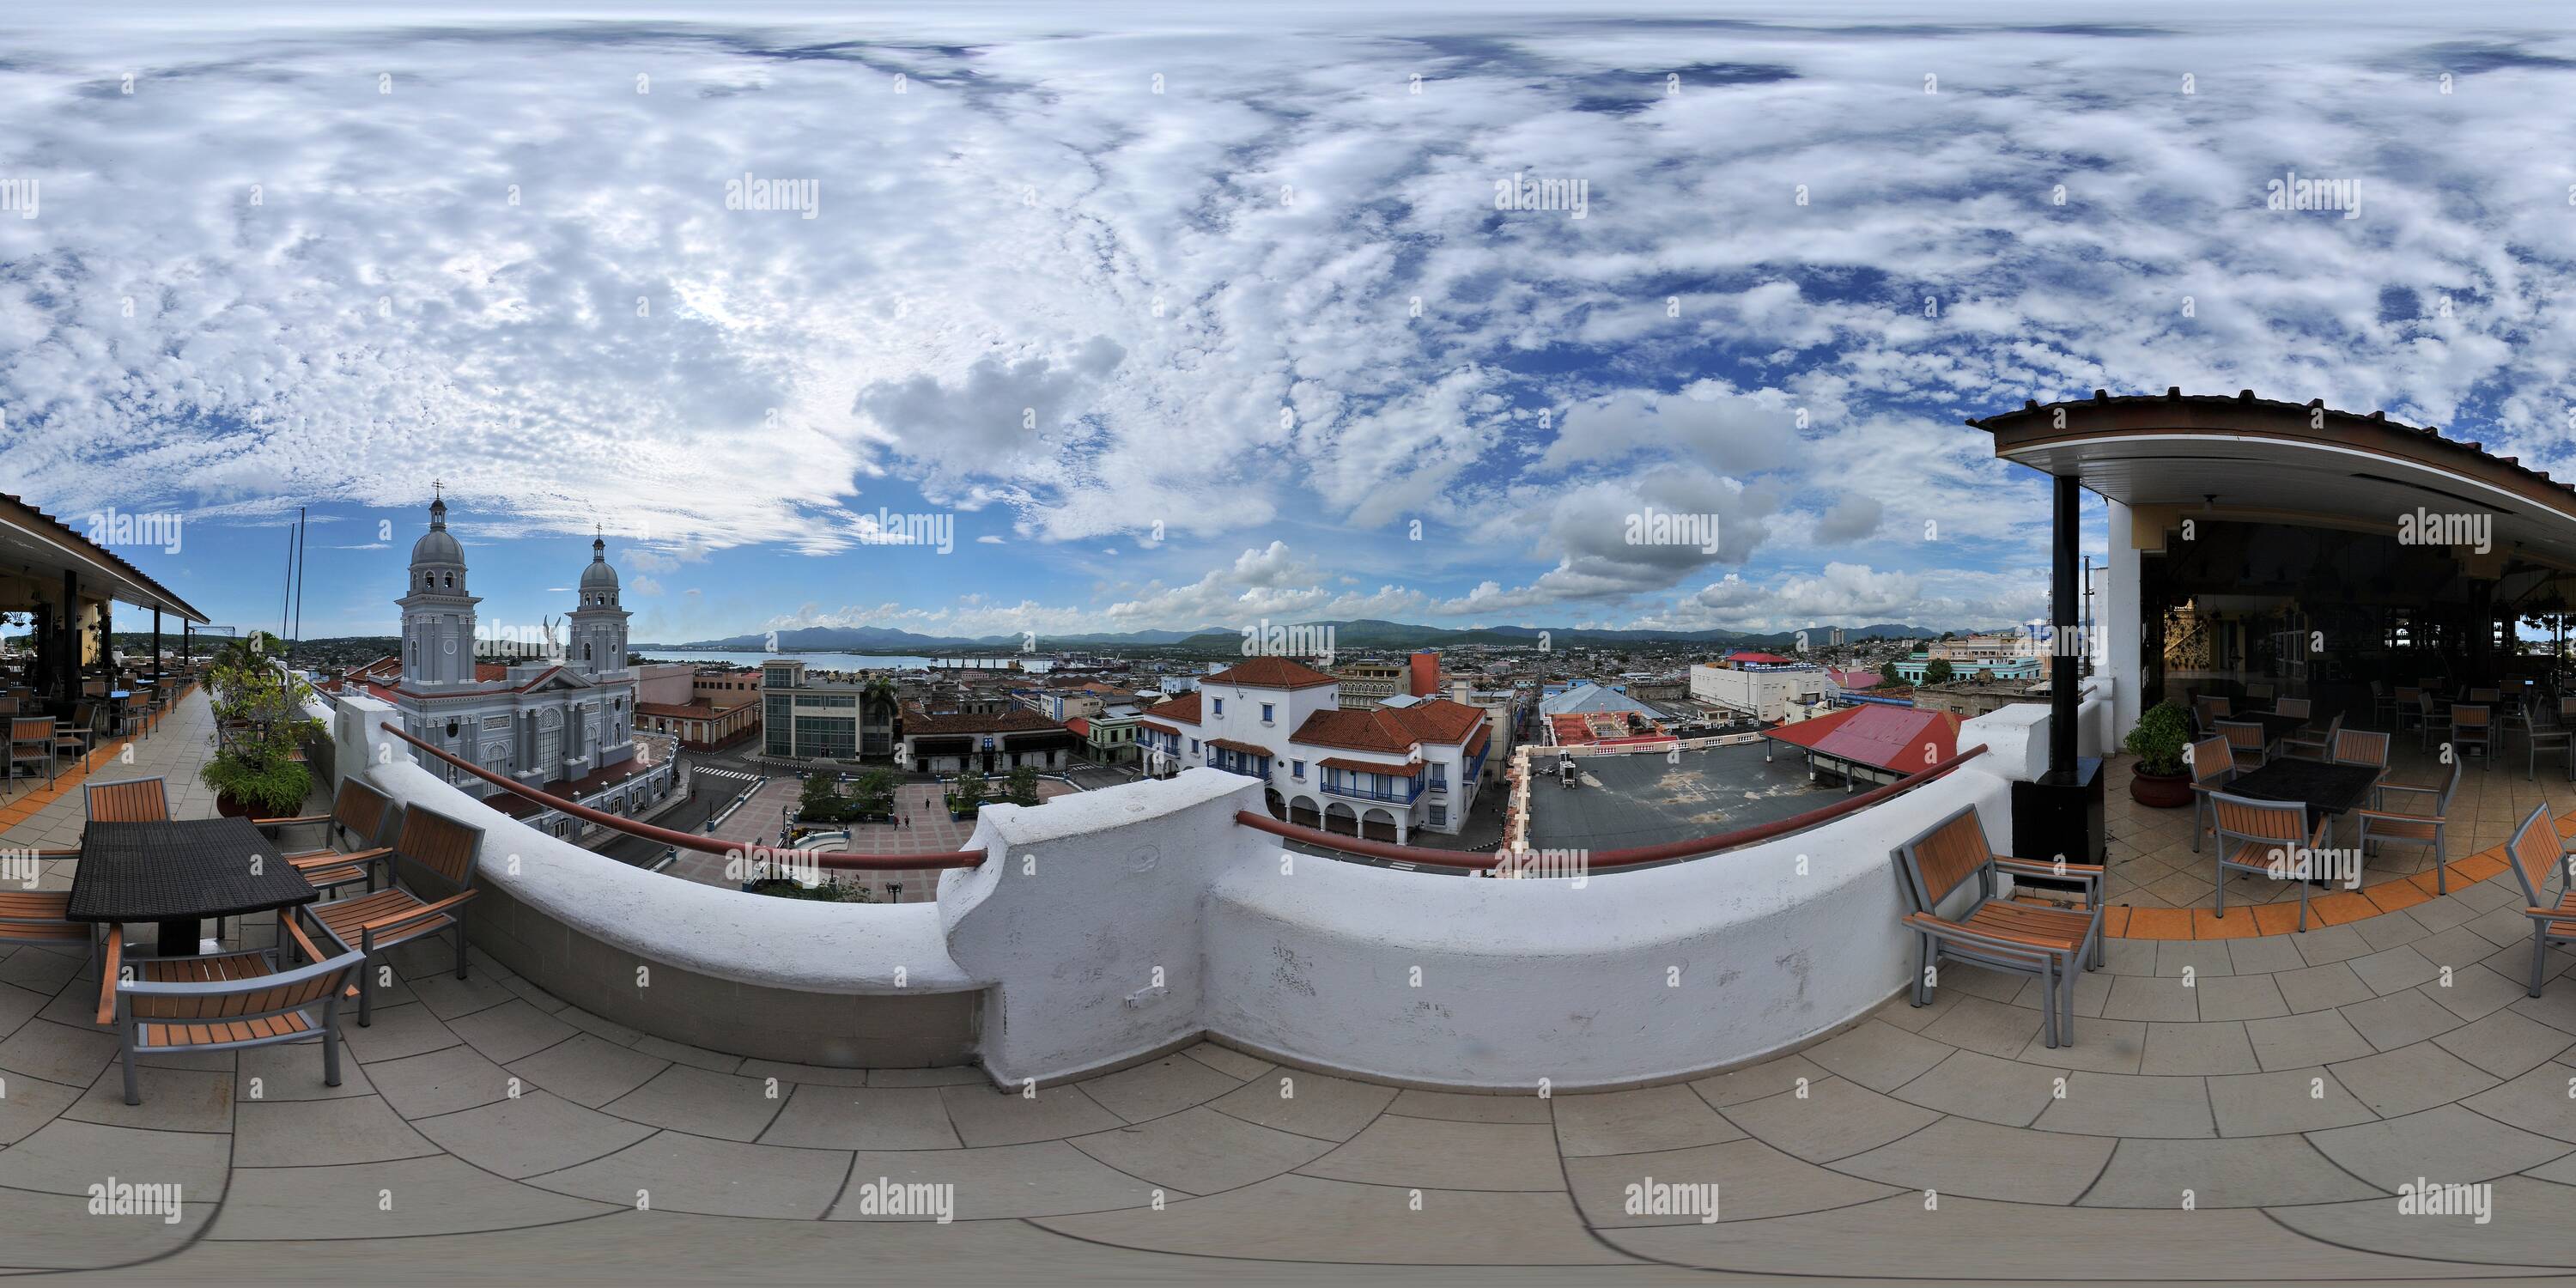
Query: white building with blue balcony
pixel 1384 772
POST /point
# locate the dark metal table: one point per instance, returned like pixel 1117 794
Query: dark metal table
pixel 2324 788
pixel 2275 727
pixel 178 872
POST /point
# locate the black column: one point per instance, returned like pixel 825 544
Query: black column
pixel 69 624
pixel 156 653
pixel 2062 611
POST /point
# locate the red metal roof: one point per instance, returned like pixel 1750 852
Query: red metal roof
pixel 1856 679
pixel 1901 739
pixel 1077 724
pixel 1240 748
pixel 1766 659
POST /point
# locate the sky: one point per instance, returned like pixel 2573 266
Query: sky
pixel 984 319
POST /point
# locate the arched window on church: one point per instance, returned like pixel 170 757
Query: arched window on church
pixel 585 652
pixel 449 580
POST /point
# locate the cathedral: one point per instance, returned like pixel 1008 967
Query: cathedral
pixel 561 723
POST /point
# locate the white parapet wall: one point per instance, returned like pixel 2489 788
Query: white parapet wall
pixel 1143 916
pixel 746 973
pixel 1108 926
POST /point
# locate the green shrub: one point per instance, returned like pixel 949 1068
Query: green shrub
pixel 2158 741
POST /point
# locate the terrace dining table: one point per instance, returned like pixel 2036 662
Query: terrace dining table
pixel 2275 725
pixel 2324 787
pixel 177 872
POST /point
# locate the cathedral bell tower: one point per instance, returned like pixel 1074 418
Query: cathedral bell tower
pixel 437 613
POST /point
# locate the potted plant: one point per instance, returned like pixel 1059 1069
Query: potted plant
pixel 2163 780
pixel 258 767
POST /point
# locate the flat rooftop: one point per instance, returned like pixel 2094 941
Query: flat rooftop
pixel 1641 798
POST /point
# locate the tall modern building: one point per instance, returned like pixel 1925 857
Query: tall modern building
pixel 561 724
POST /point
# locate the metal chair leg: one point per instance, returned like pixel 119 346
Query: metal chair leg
pixel 2539 956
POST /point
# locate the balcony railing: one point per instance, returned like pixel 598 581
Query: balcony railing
pixel 1357 792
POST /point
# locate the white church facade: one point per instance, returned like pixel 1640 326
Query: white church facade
pixel 563 724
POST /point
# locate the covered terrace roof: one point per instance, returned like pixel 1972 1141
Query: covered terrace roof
pixel 37 545
pixel 2298 463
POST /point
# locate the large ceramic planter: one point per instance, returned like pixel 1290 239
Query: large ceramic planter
pixel 230 808
pixel 2160 791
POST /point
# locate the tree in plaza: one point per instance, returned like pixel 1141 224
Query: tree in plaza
pixel 1022 788
pixel 822 801
pixel 876 790
pixel 968 793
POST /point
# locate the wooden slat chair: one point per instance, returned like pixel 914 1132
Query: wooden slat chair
pixel 2213 765
pixel 2299 707
pixel 2210 708
pixel 2258 693
pixel 2433 719
pixel 131 800
pixel 2244 741
pixel 2361 747
pixel 2424 823
pixel 223 1003
pixel 2317 748
pixel 31 738
pixel 2540 733
pixel 2486 697
pixel 358 812
pixel 73 739
pixel 36 916
pixel 2408 704
pixel 2536 852
pixel 2028 938
pixel 2472 725
pixel 2261 837
pixel 380 919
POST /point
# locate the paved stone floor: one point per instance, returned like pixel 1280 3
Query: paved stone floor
pixel 2229 1110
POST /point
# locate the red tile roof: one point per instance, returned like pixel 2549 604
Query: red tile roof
pixel 1438 722
pixel 1077 724
pixel 1183 710
pixel 1902 739
pixel 1271 673
pixel 1408 770
pixel 1014 720
pixel 1240 748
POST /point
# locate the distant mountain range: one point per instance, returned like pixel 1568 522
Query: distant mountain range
pixel 1364 634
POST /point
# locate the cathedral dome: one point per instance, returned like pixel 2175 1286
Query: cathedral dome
pixel 436 546
pixel 599 576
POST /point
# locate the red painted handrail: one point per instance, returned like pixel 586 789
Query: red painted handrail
pixel 702 844
pixel 1627 858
